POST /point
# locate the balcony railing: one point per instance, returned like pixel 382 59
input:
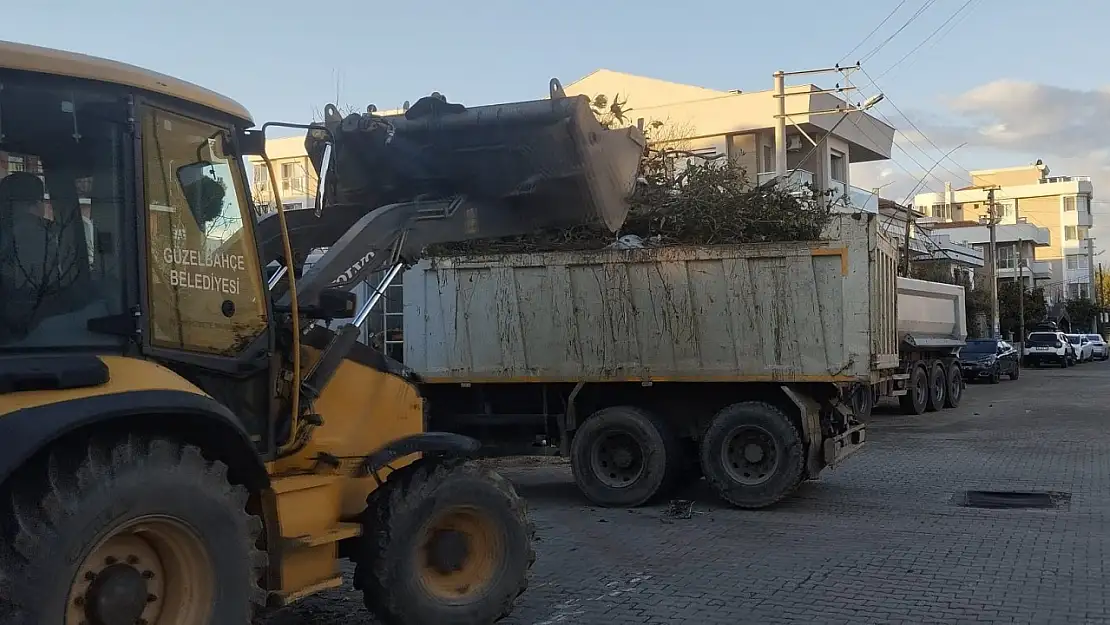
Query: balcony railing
pixel 847 196
pixel 1051 179
pixel 797 179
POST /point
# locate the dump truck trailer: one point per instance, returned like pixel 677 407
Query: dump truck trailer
pixel 931 327
pixel 649 367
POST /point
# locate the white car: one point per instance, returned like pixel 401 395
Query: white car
pixel 1100 350
pixel 1040 348
pixel 1084 349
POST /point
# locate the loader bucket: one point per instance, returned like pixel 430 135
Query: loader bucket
pixel 550 161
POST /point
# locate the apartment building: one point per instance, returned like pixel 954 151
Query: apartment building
pixel 296 178
pixel 1060 205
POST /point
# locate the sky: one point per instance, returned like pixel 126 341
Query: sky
pixel 1009 80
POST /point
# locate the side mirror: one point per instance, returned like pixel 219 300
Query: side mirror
pixel 204 190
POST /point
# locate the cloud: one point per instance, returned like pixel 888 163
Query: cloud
pixel 1032 118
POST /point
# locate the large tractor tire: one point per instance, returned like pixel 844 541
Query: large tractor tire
pixel 625 456
pixel 445 542
pixel 753 454
pixel 136 532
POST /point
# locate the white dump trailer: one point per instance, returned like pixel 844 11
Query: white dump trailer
pixel 648 366
pixel 931 327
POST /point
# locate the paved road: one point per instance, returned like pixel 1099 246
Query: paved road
pixel 879 540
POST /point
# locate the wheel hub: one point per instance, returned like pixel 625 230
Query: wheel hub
pixel 448 551
pixel 151 571
pixel 118 596
pixel 616 459
pixel 751 455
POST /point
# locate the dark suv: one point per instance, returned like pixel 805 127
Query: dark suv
pixel 989 359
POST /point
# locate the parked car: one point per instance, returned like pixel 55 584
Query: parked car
pixel 1084 350
pixel 989 359
pixel 1100 350
pixel 1048 347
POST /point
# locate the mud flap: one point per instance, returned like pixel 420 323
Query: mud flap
pixel 810 411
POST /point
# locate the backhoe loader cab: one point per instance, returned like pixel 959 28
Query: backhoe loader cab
pixel 177 444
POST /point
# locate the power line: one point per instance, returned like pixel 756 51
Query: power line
pixel 874 51
pixel 886 97
pixel 926 40
pixel 873 31
pixel 946 32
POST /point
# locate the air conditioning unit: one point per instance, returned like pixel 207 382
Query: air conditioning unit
pixel 793 143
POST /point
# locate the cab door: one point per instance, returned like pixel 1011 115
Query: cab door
pixel 207 310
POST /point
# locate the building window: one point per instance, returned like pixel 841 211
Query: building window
pixel 1077 262
pixel 941 211
pixel 1069 203
pixel 261 176
pixel 1083 231
pixel 1007 256
pixel 15 163
pixel 768 158
pixel 838 166
pixel 292 206
pixel 1079 290
pixel 1070 233
pixel 1007 210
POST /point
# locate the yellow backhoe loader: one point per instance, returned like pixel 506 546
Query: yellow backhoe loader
pixel 182 442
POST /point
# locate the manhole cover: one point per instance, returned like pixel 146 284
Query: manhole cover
pixel 1014 499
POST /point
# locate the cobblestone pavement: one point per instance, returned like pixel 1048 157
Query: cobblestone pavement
pixel 878 540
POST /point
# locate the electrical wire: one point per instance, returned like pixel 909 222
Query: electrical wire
pixel 873 31
pixel 926 40
pixel 876 49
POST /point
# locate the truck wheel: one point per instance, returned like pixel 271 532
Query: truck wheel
pixel 444 542
pixel 752 454
pixel 916 398
pixel 862 401
pixel 141 532
pixel 955 385
pixel 624 456
pixel 938 387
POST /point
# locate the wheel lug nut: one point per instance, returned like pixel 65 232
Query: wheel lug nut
pixel 132 559
pixel 110 560
pixel 90 576
pixel 151 598
pixel 79 601
pixel 148 574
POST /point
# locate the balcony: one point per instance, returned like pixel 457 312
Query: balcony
pixel 845 196
pixel 1038 269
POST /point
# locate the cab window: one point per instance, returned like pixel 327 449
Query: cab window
pixel 61 181
pixel 204 282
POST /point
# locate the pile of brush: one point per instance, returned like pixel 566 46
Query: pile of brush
pixel 711 202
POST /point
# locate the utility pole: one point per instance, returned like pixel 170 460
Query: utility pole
pixel 780 126
pixel 781 118
pixel 992 222
pixel 906 242
pixel 1021 294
